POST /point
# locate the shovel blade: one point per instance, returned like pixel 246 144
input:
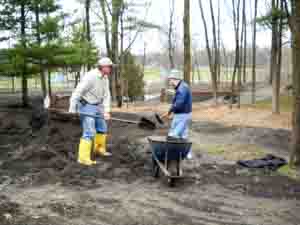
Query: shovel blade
pixel 145 123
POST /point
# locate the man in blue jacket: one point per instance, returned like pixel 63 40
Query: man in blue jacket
pixel 181 107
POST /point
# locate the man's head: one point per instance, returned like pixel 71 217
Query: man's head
pixel 174 78
pixel 105 66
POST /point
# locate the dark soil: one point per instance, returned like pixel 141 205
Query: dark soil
pixel 41 182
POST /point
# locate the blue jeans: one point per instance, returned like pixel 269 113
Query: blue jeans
pixel 91 125
pixel 180 125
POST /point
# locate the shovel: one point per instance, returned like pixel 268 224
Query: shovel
pixel 160 118
pixel 143 123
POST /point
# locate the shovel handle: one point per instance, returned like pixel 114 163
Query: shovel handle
pixel 94 116
pixel 165 115
pixel 113 119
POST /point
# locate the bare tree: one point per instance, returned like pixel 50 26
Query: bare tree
pixel 171 47
pixel 236 24
pixel 187 42
pixel 25 100
pixel 276 56
pixel 39 41
pixel 216 51
pixel 219 44
pixel 88 25
pixel 116 12
pixel 106 26
pixel 212 62
pixel 296 81
pixel 294 24
pixel 245 44
pixel 242 50
pixel 254 54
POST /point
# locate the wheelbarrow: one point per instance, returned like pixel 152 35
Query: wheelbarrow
pixel 167 155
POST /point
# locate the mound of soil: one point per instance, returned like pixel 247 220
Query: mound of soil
pixel 49 153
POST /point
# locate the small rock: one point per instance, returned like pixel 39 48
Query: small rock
pixel 256 179
pixel 7 216
pixel 36 217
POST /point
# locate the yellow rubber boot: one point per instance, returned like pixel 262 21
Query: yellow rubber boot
pixel 84 155
pixel 100 145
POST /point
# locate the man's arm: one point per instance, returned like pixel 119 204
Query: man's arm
pixel 107 101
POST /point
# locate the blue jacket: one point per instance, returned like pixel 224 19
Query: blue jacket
pixel 182 101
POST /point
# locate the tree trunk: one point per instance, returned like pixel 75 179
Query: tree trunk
pixel 219 45
pixel 170 35
pixel 39 41
pixel 242 50
pixel 88 27
pixel 77 78
pixel 274 25
pixel 24 73
pixel 116 10
pixel 236 23
pixel 254 54
pixel 187 42
pixel 107 43
pixel 245 47
pixel 275 69
pixel 295 27
pixel 106 28
pixel 49 83
pixel 209 54
pixel 122 56
pixel 13 84
pixel 216 52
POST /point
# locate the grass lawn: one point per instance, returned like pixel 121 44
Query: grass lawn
pixel 33 84
pixel 286 104
pixel 152 74
pixel 234 152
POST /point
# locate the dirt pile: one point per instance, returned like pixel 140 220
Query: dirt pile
pixel 49 154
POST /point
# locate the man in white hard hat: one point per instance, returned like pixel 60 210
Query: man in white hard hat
pixel 92 97
pixel 181 107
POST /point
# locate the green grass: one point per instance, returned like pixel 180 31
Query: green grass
pixel 233 152
pixel 152 74
pixel 6 85
pixel 289 172
pixel 286 104
pixel 202 74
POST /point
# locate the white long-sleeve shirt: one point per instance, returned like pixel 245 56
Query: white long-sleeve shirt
pixel 94 88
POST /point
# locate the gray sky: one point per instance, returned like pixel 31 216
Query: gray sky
pixel 159 13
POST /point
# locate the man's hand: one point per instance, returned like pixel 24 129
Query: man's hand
pixel 72 110
pixel 107 116
pixel 169 116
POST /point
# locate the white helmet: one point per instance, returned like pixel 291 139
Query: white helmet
pixel 175 74
pixel 105 62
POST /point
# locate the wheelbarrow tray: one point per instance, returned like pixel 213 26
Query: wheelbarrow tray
pixel 170 149
pixel 165 151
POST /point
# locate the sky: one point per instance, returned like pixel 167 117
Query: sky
pixel 158 13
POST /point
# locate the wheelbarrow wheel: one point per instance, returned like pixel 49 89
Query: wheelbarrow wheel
pixel 155 169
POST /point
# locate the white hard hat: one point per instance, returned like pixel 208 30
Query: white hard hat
pixel 175 74
pixel 105 62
